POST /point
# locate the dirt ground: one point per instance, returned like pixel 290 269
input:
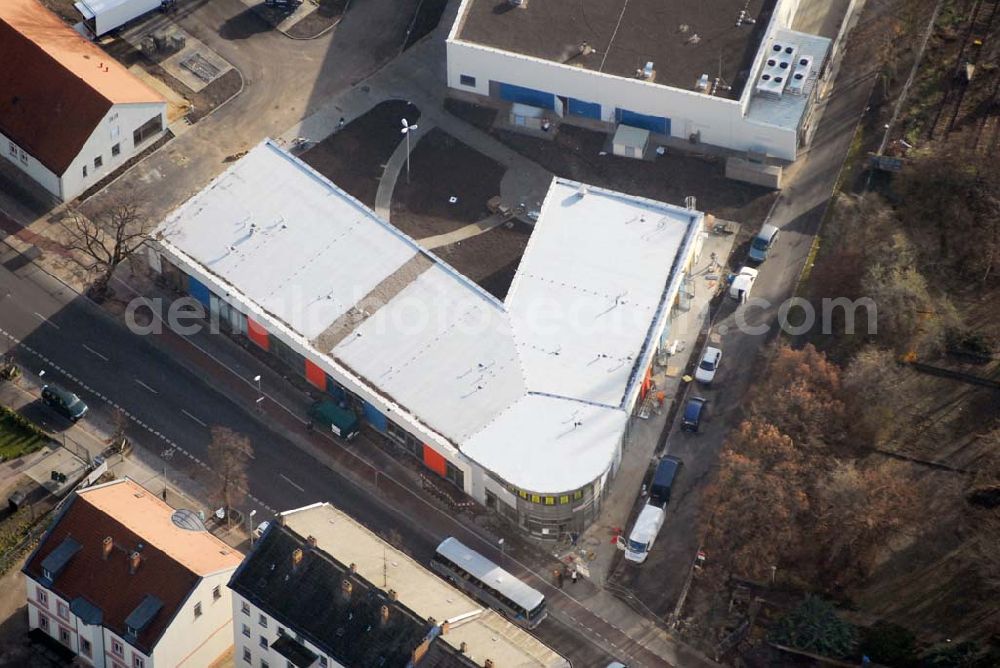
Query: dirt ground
pixel 575 154
pixel 328 14
pixel 490 259
pixel 354 157
pixel 443 167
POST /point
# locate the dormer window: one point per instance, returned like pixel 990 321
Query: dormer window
pixel 132 632
pixel 47 574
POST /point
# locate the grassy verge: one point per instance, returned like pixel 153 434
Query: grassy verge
pixel 18 436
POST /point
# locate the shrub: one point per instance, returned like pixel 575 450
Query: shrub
pixel 890 644
pixel 815 627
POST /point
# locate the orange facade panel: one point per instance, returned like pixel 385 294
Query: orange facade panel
pixel 435 461
pixel 258 334
pixel 315 375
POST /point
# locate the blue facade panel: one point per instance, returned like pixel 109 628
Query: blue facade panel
pixel 528 96
pixel 575 107
pixel 199 291
pixel 660 124
pixel 375 418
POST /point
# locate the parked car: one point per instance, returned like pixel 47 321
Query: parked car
pixel 762 243
pixel 705 373
pixel 742 284
pixel 663 481
pixel 694 413
pixel 647 527
pixel 64 402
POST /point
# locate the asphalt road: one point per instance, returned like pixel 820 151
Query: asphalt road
pixel 84 349
pixel 798 212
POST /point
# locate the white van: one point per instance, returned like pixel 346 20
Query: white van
pixel 643 535
pixel 742 283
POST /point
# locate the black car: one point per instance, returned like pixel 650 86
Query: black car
pixel 694 412
pixel 64 402
pixel 663 481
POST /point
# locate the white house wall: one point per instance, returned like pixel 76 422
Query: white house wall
pixel 242 643
pixel 191 642
pixel 116 127
pixel 30 166
pixel 718 120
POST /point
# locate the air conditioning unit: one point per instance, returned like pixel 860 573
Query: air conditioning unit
pixel 702 84
pixel 647 71
pixel 517 3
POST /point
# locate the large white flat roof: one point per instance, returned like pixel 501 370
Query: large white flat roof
pixel 497 380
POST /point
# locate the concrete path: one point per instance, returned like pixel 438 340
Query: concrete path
pixel 463 233
pixel 395 166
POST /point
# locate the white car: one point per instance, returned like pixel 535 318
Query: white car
pixel 740 288
pixel 708 366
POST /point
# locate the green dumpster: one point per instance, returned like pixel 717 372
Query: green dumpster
pixel 341 421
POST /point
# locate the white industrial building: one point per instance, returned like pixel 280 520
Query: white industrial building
pixel 122 579
pixel 69 113
pixel 727 73
pixel 524 404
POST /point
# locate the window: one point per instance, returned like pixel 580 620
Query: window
pixel 216 592
pixel 536 498
pixel 246 630
pixel 42 596
pixel 147 130
pixel 115 150
pixel 550 500
pixel 138 662
pixel 245 608
pixel 98 161
pixel 263 664
pixel 12 149
pixel 246 655
pixel 197 610
pixel 323 662
pixel 564 499
pixel 43 622
pixel 64 637
pixel 23 156
pixel 577 495
pixel 85 647
pixel 263 621
pixel 454 474
pixel 62 609
pixel 117 648
pixel 85 171
pixel 262 642
pixel 281 631
pixel 466 80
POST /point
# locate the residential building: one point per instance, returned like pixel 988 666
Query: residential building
pixel 319 589
pixel 523 404
pixel 70 114
pixel 730 74
pixel 123 580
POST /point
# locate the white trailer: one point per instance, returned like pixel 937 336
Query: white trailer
pixel 103 16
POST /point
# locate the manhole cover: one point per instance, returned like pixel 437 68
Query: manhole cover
pixel 201 68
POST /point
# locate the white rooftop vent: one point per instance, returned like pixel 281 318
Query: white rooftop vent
pixel 582 191
pixel 800 75
pixel 702 84
pixel 648 71
pixel 777 69
pixel 517 3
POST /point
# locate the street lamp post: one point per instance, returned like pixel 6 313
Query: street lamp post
pixel 407 128
pixel 260 393
pixel 250 521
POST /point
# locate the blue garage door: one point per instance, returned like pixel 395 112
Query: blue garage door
pixel 528 96
pixel 580 108
pixel 375 418
pixel 659 124
pixel 199 291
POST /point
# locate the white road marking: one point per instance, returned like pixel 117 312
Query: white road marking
pixel 193 418
pixel 95 353
pixel 45 320
pixel 147 387
pixel 291 483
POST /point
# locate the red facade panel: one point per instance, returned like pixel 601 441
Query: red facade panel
pixel 258 334
pixel 315 375
pixel 434 461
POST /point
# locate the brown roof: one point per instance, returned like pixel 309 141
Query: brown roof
pixel 55 86
pixel 107 583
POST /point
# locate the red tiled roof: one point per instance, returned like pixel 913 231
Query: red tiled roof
pixel 55 86
pixel 107 583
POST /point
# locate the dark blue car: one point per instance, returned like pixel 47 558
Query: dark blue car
pixel 694 411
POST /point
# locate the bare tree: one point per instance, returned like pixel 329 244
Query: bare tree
pixel 229 454
pixel 107 239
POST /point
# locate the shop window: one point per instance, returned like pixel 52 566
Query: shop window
pixel 577 495
pixel 536 498
pixel 550 500
pixel 455 475
pixel 564 499
pixel 147 130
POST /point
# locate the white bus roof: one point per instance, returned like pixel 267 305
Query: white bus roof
pixel 647 525
pixel 490 573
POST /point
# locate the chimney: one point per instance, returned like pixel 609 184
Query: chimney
pixel 384 614
pixel 488 663
pixel 296 558
pixel 346 588
pixel 311 540
pixel 464 647
pixel 392 594
pixel 444 628
pixel 354 567
pixel 106 546
pixel 134 559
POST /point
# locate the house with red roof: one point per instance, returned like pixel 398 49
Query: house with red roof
pixel 123 580
pixel 69 113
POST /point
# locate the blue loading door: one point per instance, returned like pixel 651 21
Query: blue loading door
pixel 199 291
pixel 659 124
pixel 528 96
pixel 375 418
pixel 577 107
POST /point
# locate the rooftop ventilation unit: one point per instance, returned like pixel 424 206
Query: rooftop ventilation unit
pixel 648 72
pixel 776 71
pixel 517 3
pixel 703 84
pixel 803 69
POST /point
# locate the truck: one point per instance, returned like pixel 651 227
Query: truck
pixel 644 533
pixel 663 480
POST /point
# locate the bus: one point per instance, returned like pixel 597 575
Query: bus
pixel 484 580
